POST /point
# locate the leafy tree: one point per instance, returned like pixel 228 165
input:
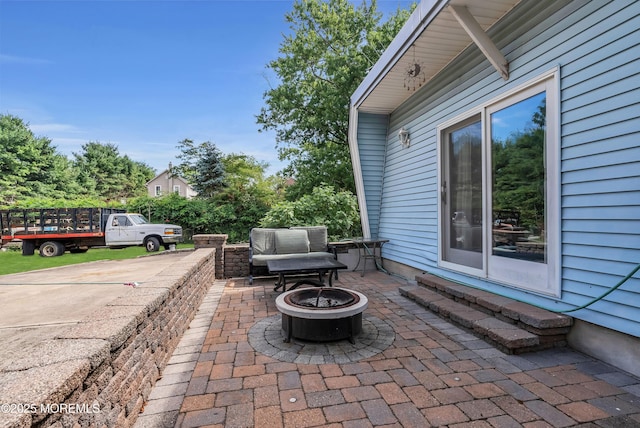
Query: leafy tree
pixel 245 173
pixel 336 210
pixel 103 172
pixel 333 46
pixel 201 166
pixel 242 171
pixel 49 202
pixel 246 198
pixel 29 165
pixel 318 165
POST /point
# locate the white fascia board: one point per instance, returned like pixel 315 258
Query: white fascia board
pixel 421 17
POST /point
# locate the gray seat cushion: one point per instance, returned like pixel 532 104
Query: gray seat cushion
pixel 261 260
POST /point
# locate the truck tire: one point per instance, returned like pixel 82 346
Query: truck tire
pixel 51 249
pixel 152 244
pixel 28 248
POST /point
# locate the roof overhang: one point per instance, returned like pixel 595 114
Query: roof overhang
pixel 435 33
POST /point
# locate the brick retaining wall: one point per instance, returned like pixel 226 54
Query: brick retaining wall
pixel 236 256
pixel 236 260
pixel 100 371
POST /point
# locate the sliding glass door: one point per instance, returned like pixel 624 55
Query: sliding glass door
pixel 463 195
pixel 498 190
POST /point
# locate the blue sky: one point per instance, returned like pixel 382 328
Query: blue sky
pixel 144 75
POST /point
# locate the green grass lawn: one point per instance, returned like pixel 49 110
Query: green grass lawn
pixel 13 261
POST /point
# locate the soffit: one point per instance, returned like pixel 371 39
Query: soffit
pixel 432 38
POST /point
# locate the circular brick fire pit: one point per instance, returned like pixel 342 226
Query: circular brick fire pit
pixel 321 314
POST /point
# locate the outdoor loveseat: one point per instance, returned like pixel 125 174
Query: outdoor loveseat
pixel 282 243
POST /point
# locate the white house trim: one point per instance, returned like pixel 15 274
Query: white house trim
pixel 480 38
pixel 357 172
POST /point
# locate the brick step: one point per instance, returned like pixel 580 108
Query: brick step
pixel 513 326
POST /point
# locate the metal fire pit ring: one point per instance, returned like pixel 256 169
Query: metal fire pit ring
pixel 322 324
pixel 322 298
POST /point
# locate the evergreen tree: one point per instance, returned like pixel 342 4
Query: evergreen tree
pixel 103 172
pixel 201 166
pixel 30 165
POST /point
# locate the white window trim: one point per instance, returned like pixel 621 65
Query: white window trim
pixel 554 256
pixel 157 190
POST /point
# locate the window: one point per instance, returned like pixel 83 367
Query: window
pixel 138 219
pixel 158 191
pixel 498 181
pixel 176 189
pixel 121 221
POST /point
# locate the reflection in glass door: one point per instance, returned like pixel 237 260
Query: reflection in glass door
pixel 518 252
pixel 518 180
pixel 462 195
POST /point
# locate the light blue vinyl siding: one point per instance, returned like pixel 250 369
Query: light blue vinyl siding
pixel 601 168
pixel 372 134
pixel 596 46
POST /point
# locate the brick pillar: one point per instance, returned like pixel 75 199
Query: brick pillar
pixel 213 241
pixel 236 260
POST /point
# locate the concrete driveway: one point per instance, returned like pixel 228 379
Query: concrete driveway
pixel 34 306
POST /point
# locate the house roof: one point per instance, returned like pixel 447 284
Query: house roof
pixel 435 33
pixel 166 171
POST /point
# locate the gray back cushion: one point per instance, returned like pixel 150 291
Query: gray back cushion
pixel 291 241
pixel 317 237
pixel 263 241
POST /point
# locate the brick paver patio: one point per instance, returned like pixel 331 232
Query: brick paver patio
pixel 411 369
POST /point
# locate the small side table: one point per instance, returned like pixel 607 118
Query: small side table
pixel 369 249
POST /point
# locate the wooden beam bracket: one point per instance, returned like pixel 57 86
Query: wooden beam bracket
pixel 481 39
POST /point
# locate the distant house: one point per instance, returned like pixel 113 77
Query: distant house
pixel 497 144
pixel 165 183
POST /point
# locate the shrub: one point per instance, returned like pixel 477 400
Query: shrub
pixel 338 211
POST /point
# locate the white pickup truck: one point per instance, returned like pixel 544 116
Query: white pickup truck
pixel 56 230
